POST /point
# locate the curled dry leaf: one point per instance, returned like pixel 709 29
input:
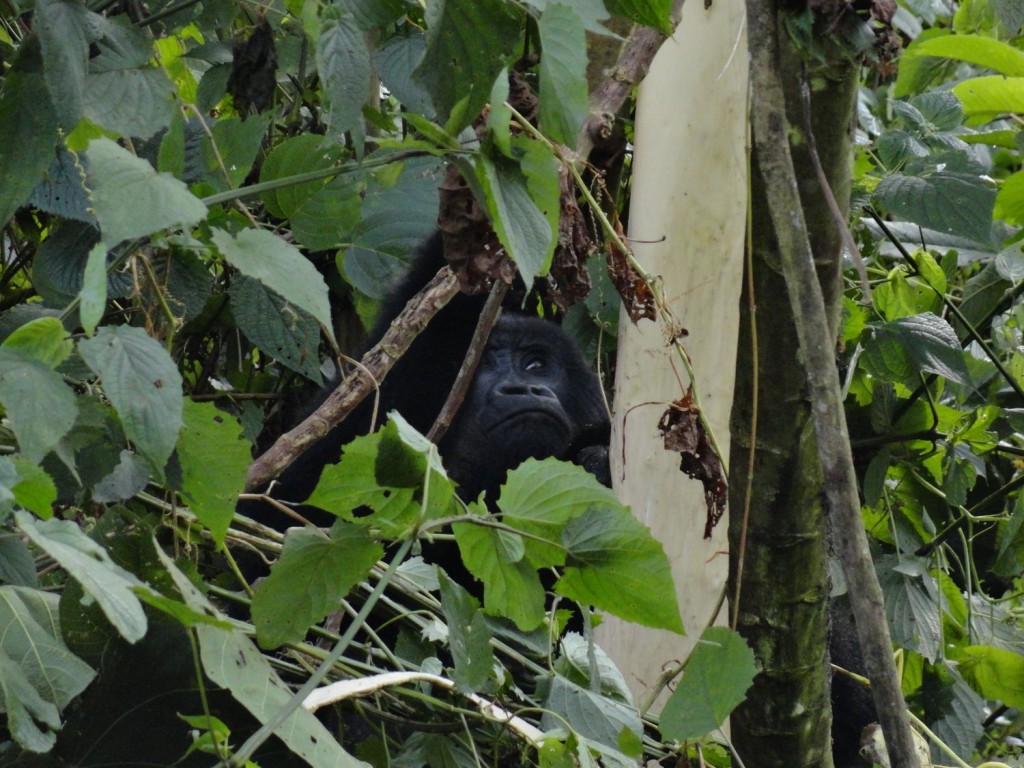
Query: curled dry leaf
pixel 683 432
pixel 636 294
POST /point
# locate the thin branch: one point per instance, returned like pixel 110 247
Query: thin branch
pixel 357 385
pixel 775 164
pixel 484 326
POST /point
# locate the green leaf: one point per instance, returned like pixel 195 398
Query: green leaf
pixel 651 13
pixel 127 478
pixel 984 51
pixel 130 102
pixel 313 573
pixel 232 150
pixel 540 497
pixel 28 713
pixel 89 564
pixel 131 199
pixel 564 101
pixel 995 673
pixel 468 43
pixel 343 61
pixel 297 155
pixel 30 633
pixel 353 484
pixel 592 715
pixel 280 329
pixel 281 267
pixel 955 203
pixel 512 587
pixel 35 490
pixel 62 190
pixel 62 27
pixel 231 661
pixel 396 219
pixel 30 128
pixel 214 459
pixel 468 637
pixel 614 563
pixel 94 289
pixel 44 339
pixel 720 671
pixel 1009 205
pixel 991 95
pixel 903 349
pixel 499 118
pixel 39 405
pixel 143 385
pixel 17 565
pixel 522 225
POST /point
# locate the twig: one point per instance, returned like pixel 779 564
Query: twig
pixel 484 326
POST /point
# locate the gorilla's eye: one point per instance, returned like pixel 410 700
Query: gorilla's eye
pixel 534 362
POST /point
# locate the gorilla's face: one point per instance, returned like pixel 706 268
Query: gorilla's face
pixel 532 397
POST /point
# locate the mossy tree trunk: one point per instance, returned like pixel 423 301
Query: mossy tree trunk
pixel 778 538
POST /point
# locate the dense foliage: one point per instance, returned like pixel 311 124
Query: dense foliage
pixel 202 201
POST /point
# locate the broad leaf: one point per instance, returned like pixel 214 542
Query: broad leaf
pixel 44 339
pixel 594 716
pixel 975 49
pixel 955 203
pixel 280 329
pixel 995 673
pixel 991 95
pixel 89 564
pixel 720 671
pixel 214 459
pixel 309 579
pixel 39 405
pixel 143 385
pixel 281 267
pixel 228 154
pixel 343 61
pixel 131 199
pixel 135 102
pixel 94 289
pixel 650 13
pixel 614 563
pixel 902 350
pixel 35 490
pixel 468 637
pixel 62 27
pixel 468 42
pixel 563 83
pixel 30 135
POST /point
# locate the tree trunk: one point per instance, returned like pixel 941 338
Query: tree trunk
pixel 778 537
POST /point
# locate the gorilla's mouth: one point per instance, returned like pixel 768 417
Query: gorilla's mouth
pixel 535 418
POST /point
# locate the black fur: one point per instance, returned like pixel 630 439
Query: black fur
pixel 533 395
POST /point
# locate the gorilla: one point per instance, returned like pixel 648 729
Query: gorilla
pixel 533 394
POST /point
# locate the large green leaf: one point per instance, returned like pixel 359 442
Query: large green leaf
pixel 39 405
pixel 63 36
pixel 996 673
pixel 594 716
pixel 143 385
pixel 540 497
pixel 38 674
pixel 297 155
pixel 955 203
pixel 130 102
pixel 991 95
pixel 522 204
pixel 468 637
pixel 229 152
pixel 280 329
pixel 468 43
pixel 29 124
pixel 563 83
pixel 88 563
pixel 614 563
pixel 214 459
pixel 902 350
pixel 131 199
pixel 343 61
pixel 281 267
pixel 309 579
pixel 652 13
pixel 720 671
pixel 984 51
